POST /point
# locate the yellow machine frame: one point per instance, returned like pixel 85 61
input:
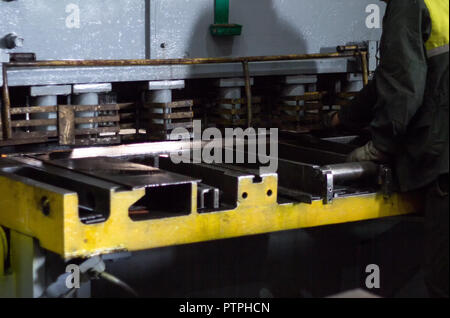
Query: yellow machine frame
pixel 257 212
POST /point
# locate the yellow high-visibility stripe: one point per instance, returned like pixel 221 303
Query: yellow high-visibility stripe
pixel 439 39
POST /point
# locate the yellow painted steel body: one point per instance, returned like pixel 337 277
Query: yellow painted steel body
pixel 3 251
pixel 7 279
pixel 62 231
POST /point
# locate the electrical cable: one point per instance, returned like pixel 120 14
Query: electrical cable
pixel 116 281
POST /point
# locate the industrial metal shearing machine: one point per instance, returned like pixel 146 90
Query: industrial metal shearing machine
pixel 86 146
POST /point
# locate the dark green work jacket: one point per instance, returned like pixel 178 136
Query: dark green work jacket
pixel 406 104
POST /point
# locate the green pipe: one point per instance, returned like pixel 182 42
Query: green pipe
pixel 221 11
pixel 221 26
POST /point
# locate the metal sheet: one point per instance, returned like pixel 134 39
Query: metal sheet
pixel 121 172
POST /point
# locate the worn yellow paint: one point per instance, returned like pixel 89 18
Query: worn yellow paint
pixel 7 282
pixel 20 209
pixel 257 212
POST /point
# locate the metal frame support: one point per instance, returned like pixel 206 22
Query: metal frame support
pixel 88 95
pixel 161 92
pixel 372 50
pixel 329 187
pixel 28 266
pixel 29 272
pixel 230 88
pixel 47 96
pixel 360 51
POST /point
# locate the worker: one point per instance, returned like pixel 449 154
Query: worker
pixel 405 107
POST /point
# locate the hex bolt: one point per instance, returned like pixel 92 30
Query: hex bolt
pixel 13 41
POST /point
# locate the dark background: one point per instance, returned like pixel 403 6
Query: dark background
pixel 317 262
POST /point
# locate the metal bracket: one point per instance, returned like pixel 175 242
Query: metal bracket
pixel 208 197
pixel 361 50
pixel 386 180
pixel 221 26
pixel 329 187
pixel 372 54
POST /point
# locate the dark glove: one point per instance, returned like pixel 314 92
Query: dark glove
pixel 327 119
pixel 367 153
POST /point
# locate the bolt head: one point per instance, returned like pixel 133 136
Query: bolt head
pixel 13 41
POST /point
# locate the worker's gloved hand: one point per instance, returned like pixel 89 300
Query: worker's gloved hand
pixel 367 153
pixel 330 119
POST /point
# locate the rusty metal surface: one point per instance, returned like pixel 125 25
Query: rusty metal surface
pixel 66 122
pixel 300 112
pixel 6 107
pixel 176 104
pixel 365 67
pixel 162 118
pixel 6 114
pixel 66 125
pixel 185 61
pixel 235 116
